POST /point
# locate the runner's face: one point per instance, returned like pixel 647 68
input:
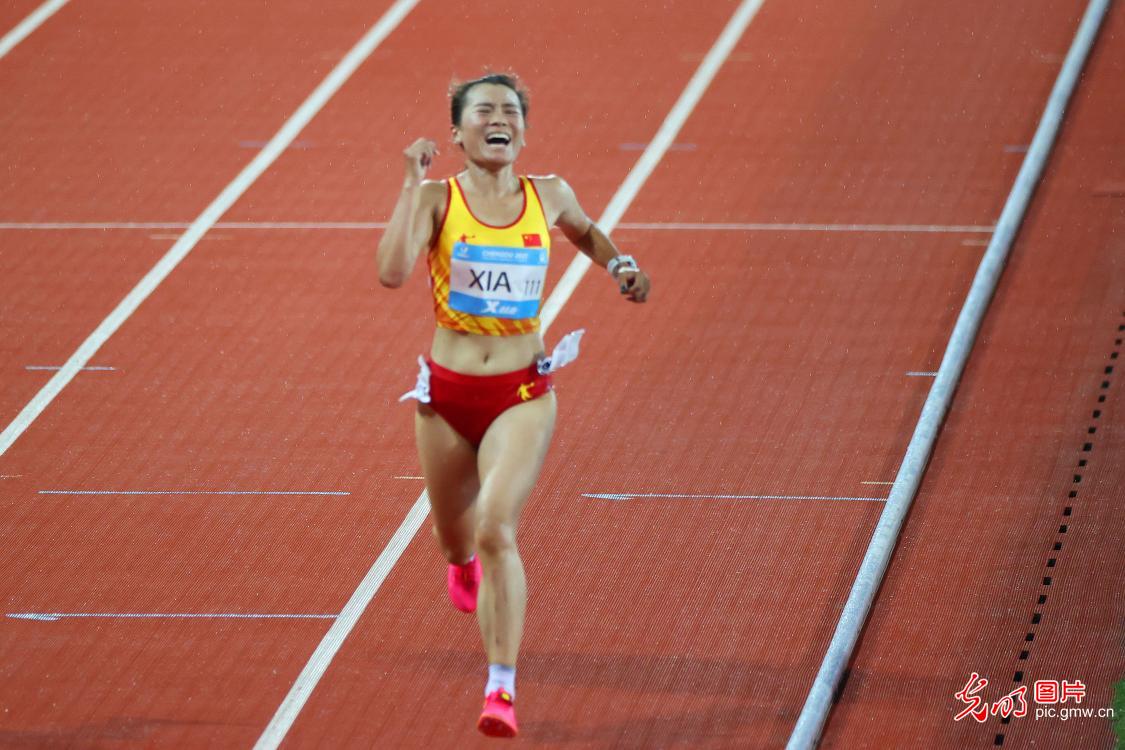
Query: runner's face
pixel 492 126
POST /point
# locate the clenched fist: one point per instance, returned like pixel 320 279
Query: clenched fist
pixel 419 155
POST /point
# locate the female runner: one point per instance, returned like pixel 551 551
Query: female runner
pixel 486 410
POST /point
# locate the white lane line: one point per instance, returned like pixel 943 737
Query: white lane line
pixel 10 476
pixel 56 616
pixel 190 492
pixel 98 225
pixel 172 236
pixel 643 226
pixel 326 650
pixel 409 477
pixel 302 225
pixel 318 663
pixel 33 21
pixel 876 482
pixel 673 147
pixel 655 151
pixel 641 495
pixel 792 227
pixel 88 368
pixel 150 225
pixel 921 374
pixel 260 163
pixel 301 144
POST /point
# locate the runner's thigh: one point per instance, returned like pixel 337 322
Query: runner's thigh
pixel 512 453
pixel 449 465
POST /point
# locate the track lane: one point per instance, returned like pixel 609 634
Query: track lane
pixel 182 420
pixel 621 668
pixel 896 113
pixel 205 417
pixel 576 119
pixel 779 702
pixel 676 412
pixel 134 111
pixel 97 131
pixel 54 288
pixel 586 556
pixel 1001 478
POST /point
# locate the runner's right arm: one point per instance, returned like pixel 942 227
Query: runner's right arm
pixel 411 227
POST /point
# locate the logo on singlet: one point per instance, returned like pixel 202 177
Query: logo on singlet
pixel 524 391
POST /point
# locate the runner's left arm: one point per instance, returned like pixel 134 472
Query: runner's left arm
pixel 596 244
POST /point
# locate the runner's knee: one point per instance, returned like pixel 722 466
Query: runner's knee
pixel 495 537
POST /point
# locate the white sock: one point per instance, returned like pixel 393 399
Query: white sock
pixel 501 676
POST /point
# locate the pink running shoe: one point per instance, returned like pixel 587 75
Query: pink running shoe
pixel 498 719
pixel 464 581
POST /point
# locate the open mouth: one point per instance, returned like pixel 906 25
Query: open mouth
pixel 498 139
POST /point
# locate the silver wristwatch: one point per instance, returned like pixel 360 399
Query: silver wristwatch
pixel 623 263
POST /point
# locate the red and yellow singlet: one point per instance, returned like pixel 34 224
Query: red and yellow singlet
pixel 485 279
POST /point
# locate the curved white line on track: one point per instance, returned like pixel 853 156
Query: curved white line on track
pixel 207 220
pixel 321 658
pixel 33 21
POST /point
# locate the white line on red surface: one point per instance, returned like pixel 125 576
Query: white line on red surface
pixel 191 492
pixel 34 20
pixel 56 616
pixel 207 220
pixel 656 226
pixel 88 368
pixel 809 227
pixel 677 496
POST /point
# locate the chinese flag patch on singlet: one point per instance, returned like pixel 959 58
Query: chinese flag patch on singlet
pixel 532 240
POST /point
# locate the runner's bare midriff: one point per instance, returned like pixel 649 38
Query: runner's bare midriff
pixel 472 354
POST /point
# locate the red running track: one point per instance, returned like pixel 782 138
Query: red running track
pixel 768 363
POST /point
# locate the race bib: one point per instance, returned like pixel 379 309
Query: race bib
pixel 498 282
